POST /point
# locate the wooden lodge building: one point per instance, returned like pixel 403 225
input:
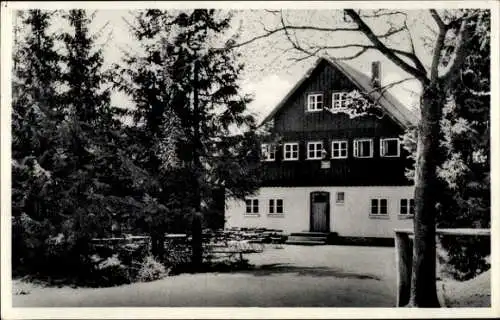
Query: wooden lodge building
pixel 330 172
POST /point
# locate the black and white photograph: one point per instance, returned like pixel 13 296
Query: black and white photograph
pixel 235 155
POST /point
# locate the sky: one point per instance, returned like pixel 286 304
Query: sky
pixel 270 69
pixel 270 73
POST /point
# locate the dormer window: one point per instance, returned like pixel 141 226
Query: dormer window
pixel 268 152
pixel 315 150
pixel 389 147
pixel 314 102
pixel 363 148
pixel 340 100
pixel 291 151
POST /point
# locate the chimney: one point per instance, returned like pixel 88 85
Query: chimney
pixel 376 74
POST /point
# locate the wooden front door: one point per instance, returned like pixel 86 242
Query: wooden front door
pixel 320 211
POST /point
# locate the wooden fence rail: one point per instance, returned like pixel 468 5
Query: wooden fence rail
pixel 404 257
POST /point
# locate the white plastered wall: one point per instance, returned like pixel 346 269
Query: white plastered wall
pixel 351 219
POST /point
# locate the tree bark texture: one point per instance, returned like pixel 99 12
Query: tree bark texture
pixel 404 252
pixel 158 244
pixel 196 244
pixel 196 227
pixel 423 281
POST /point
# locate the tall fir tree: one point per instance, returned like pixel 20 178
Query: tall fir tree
pixel 96 184
pixel 152 138
pixel 36 111
pixel 187 76
pixel 206 97
pixel 70 165
pixel 84 101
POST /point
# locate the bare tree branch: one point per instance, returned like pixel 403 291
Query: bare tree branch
pixel 381 13
pixel 353 56
pixel 304 27
pixel 438 47
pixel 295 45
pixel 418 63
pixel 385 88
pixel 391 33
pixel 459 53
pixel 390 85
pixel 312 51
pixel 456 23
pixel 437 18
pixel 272 11
pixel 344 46
pixel 390 54
pixel 265 35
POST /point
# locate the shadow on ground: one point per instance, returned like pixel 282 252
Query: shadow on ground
pixel 277 268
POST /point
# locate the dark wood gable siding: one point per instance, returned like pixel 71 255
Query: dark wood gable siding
pixel 294 124
pixel 293 116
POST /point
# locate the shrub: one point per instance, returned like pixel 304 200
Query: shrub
pixel 466 257
pixel 151 270
pixel 177 256
pixel 109 272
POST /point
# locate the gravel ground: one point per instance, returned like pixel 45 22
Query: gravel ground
pixel 472 293
pixel 295 276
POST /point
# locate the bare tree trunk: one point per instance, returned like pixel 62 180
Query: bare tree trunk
pixel 196 245
pixel 196 227
pixel 423 280
pixel 158 243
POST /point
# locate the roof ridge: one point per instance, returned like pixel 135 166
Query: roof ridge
pixel 389 102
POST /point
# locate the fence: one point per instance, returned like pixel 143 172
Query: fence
pixel 404 257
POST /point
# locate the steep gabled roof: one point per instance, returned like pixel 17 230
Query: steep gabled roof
pixel 394 108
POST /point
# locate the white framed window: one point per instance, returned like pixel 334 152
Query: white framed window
pixel 268 152
pixel 339 149
pixel 314 102
pixel 363 148
pixel 340 198
pixel 389 147
pixel 340 100
pixel 252 206
pixel 314 150
pixel 279 206
pixel 378 207
pixel 407 207
pixel 276 206
pixel 291 151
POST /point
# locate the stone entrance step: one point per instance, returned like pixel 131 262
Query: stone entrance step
pixel 305 242
pixel 308 238
pixel 310 234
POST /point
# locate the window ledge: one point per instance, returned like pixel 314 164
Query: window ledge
pixel 380 216
pixel 339 203
pixel 276 215
pixel 252 215
pixel 405 216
